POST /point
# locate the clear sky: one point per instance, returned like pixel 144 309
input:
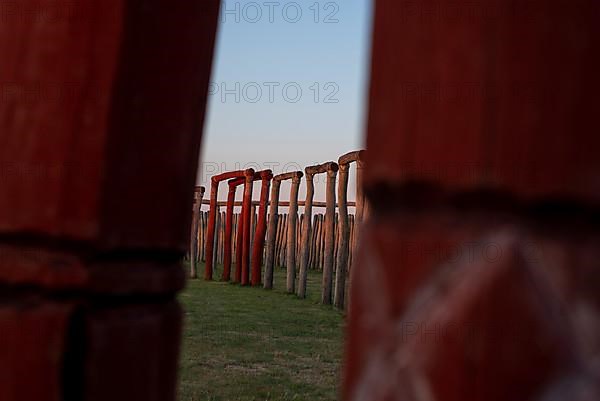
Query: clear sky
pixel 288 88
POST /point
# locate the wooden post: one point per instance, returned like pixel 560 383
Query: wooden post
pixel 210 230
pixel 278 240
pixel 344 228
pixel 252 227
pixel 313 244
pixel 360 194
pixel 221 236
pixel 283 241
pixel 321 241
pixel 233 228
pixel 194 237
pixel 223 230
pixel 233 184
pixel 89 269
pixel 274 223
pixel 272 233
pixel 445 169
pixel 261 228
pixel 291 229
pixel 359 214
pixel 306 232
pixel 216 241
pixel 247 221
pixel 239 240
pixel 353 240
pixel 202 235
pixel 298 235
pixel 335 241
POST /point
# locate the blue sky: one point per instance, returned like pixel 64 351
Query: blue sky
pixel 288 86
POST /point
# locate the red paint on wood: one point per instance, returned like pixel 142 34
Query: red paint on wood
pixel 98 76
pixel 118 352
pixel 93 145
pixel 246 217
pixel 481 133
pixel 33 345
pixel 482 96
pixel 212 217
pixel 228 228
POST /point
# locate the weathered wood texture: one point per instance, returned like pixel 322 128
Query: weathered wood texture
pixel 343 238
pixel 328 250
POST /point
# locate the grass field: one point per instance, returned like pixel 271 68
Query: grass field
pixel 244 343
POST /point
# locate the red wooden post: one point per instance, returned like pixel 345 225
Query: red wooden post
pixel 89 271
pixel 247 222
pixel 233 184
pixel 210 230
pixel 261 227
pixel 477 269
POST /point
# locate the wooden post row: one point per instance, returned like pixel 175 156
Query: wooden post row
pixel 328 245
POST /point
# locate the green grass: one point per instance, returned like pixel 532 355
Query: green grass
pixel 244 343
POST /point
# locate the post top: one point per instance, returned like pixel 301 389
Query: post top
pixel 356 156
pixel 289 176
pixel 231 174
pixel 321 168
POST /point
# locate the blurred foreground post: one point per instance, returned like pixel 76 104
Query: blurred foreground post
pixel 97 131
pixel 477 270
